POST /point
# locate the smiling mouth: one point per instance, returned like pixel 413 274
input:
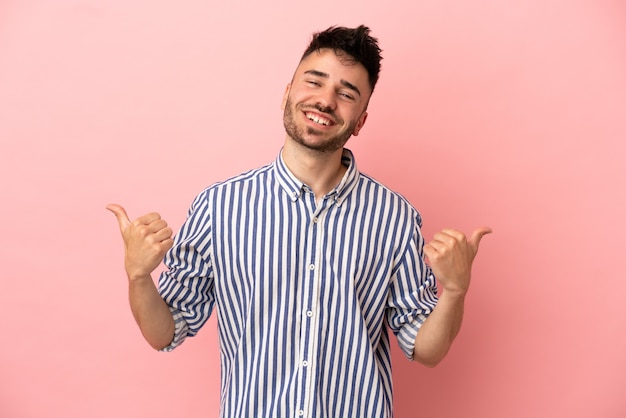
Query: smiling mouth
pixel 320 120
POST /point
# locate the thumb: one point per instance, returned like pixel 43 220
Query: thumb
pixel 120 214
pixel 477 235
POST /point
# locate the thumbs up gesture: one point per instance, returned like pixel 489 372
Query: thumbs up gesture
pixel 146 240
pixel 450 256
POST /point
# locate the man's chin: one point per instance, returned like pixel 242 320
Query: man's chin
pixel 322 146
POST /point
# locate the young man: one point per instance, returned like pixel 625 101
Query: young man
pixel 308 261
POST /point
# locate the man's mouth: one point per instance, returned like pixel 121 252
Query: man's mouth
pixel 320 120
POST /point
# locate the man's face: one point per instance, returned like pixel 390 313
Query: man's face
pixel 326 102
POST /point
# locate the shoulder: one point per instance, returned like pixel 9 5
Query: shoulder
pixel 374 192
pixel 253 175
pixel 237 182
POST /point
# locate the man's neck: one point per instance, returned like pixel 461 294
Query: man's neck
pixel 321 171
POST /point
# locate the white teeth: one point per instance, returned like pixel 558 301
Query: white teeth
pixel 318 120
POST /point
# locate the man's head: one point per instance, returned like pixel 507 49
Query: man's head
pixel 326 102
pixel 353 44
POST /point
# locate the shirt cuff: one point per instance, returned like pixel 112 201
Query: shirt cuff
pixel 407 334
pixel 180 330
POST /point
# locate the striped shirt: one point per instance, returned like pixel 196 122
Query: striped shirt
pixel 305 291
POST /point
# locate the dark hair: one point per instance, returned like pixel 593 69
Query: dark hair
pixel 356 44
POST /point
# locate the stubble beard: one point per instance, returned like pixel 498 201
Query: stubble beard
pixel 299 133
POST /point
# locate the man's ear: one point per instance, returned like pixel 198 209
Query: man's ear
pixel 285 97
pixel 360 124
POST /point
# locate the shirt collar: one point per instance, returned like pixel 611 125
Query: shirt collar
pixel 294 187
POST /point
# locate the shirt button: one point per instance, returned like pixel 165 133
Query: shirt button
pixel 309 313
pixel 311 266
pixel 305 363
pixel 300 412
pixel 315 220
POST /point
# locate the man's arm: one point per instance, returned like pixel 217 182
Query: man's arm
pixel 450 256
pixel 146 240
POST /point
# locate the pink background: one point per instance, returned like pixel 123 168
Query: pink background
pixel 511 114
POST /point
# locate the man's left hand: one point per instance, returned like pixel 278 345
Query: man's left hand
pixel 450 256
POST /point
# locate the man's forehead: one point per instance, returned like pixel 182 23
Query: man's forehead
pixel 328 54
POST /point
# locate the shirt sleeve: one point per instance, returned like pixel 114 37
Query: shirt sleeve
pixel 187 284
pixel 413 294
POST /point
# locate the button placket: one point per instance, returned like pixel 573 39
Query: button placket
pixel 314 258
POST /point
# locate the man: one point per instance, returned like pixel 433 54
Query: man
pixel 308 261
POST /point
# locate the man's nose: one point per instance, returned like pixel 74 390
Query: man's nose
pixel 327 100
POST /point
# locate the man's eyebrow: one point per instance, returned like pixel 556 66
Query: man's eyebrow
pixel 317 73
pixel 351 86
pixel 325 75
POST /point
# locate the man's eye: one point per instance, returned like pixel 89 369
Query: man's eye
pixel 313 83
pixel 346 96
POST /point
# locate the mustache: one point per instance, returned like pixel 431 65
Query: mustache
pixel 321 109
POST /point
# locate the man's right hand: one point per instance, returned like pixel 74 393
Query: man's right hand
pixel 146 240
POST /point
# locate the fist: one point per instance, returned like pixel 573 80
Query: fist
pixel 146 240
pixel 450 256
